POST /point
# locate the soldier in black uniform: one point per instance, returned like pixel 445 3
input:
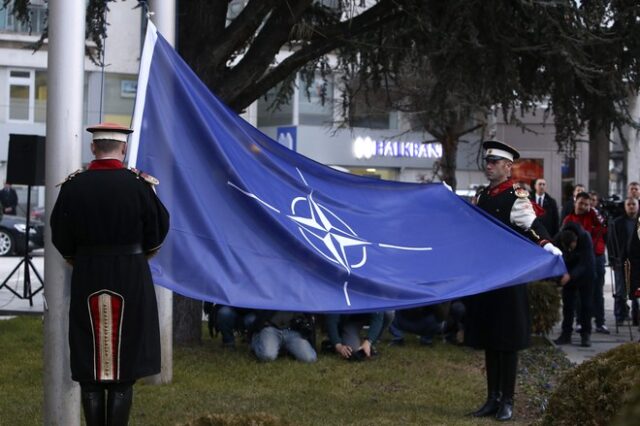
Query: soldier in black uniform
pixel 107 221
pixel 498 321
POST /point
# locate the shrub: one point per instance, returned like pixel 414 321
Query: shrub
pixel 630 412
pixel 544 303
pixel 595 391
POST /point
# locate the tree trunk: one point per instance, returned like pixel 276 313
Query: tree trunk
pixel 599 156
pixel 448 162
pixel 187 321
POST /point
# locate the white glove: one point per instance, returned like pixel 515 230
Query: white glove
pixel 552 249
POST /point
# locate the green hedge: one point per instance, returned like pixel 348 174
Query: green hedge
pixel 544 303
pixel 629 414
pixel 598 390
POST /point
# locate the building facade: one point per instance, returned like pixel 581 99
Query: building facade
pixel 108 96
pixel 381 145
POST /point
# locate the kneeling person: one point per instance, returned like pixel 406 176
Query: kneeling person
pixel 276 330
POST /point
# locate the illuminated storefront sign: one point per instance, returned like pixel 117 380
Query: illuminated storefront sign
pixel 366 148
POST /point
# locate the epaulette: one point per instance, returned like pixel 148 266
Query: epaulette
pixel 145 176
pixel 71 176
pixel 520 191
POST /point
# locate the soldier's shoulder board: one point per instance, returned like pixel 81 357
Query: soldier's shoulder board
pixel 71 176
pixel 144 176
pixel 520 191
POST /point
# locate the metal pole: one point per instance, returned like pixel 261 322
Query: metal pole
pixel 63 156
pixel 164 17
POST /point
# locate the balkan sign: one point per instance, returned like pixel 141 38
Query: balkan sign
pixel 366 148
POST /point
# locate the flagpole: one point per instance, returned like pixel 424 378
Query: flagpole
pixel 65 73
pixel 164 16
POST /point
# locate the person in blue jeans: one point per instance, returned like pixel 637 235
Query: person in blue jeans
pixel 274 331
pixel 229 320
pixel 344 333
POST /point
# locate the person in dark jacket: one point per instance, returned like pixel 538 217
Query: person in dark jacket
pixel 106 222
pixel 498 321
pixel 551 217
pixel 618 249
pixel 568 206
pixel 9 199
pixel 580 260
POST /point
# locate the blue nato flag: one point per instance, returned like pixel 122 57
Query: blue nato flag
pixel 254 224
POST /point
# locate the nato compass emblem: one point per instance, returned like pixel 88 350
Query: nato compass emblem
pixel 327 233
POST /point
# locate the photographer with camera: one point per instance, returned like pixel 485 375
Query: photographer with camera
pixel 579 258
pixel 276 330
pixel 344 334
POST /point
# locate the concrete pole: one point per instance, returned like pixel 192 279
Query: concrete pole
pixel 63 156
pixel 164 17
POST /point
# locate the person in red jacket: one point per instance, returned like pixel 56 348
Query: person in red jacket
pixel 592 222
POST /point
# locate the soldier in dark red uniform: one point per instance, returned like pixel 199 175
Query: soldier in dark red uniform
pixel 107 221
pixel 498 321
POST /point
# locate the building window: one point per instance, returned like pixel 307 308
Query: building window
pixel 316 102
pixel 37 19
pixel 272 115
pixel 21 95
pixel 27 96
pixel 40 113
pixel 119 96
pixel 372 112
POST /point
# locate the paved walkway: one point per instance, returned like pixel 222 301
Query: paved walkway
pixel 599 342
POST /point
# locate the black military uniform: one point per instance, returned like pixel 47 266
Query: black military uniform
pixel 498 321
pixel 106 221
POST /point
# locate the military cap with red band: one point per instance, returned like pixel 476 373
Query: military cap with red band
pixel 109 131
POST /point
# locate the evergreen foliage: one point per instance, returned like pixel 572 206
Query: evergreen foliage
pixel 594 392
pixel 544 302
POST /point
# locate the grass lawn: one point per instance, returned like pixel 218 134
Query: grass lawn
pixel 409 385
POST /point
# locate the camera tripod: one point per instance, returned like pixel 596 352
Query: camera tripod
pixel 28 292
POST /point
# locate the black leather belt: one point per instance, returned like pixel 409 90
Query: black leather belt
pixel 126 249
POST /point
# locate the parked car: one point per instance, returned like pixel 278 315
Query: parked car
pixel 37 213
pixel 12 233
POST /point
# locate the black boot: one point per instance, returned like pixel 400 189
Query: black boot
pixel 505 412
pixel 119 405
pixel 93 407
pixel 563 339
pixel 585 340
pixel 492 365
pixel 508 371
pixel 490 407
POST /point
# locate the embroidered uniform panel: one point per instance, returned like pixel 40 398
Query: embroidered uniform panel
pixel 105 310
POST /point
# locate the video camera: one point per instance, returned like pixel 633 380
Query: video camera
pixel 612 207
